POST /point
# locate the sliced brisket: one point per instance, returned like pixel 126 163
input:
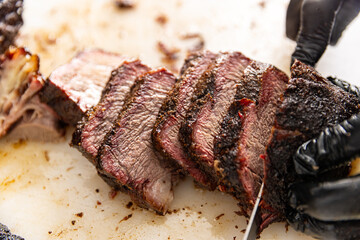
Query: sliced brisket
pixel 172 114
pixel 246 130
pixel 127 159
pixel 98 121
pixel 213 96
pixel 309 104
pixel 75 87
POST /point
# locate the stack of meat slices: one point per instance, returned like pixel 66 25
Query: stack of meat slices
pixel 228 121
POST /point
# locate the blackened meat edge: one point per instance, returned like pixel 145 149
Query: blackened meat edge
pixel 309 104
pixel 172 113
pixel 127 159
pixel 98 121
pixel 246 130
pixel 213 95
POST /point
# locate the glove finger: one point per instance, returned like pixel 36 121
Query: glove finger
pixel 348 11
pixel 346 230
pixel 323 201
pixel 293 19
pixel 316 22
pixel 334 147
pixel 345 86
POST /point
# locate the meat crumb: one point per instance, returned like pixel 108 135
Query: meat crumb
pixel 200 41
pixel 49 232
pixel 218 217
pixel 236 226
pixel 97 190
pixel 262 4
pixel 125 4
pixel 238 213
pixel 170 55
pixel 73 222
pixel 162 19
pixel 80 214
pixel 98 202
pixel 126 218
pixel 243 230
pixel 46 155
pixel 129 205
pixel 113 193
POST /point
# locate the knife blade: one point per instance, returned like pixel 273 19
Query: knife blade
pixel 255 219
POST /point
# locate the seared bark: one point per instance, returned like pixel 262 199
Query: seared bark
pixel 246 130
pixel 213 96
pixel 172 113
pixel 127 159
pixel 309 104
pixel 98 121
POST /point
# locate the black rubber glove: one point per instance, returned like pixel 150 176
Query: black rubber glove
pixel 314 24
pixel 328 210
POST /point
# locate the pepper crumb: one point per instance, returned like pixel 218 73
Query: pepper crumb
pixel 129 205
pixel 73 222
pixel 126 218
pixel 80 214
pixel 218 217
pixel 49 232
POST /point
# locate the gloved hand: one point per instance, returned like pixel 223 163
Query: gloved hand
pixel 324 209
pixel 330 209
pixel 314 24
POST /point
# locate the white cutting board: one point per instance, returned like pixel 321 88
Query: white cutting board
pixel 44 186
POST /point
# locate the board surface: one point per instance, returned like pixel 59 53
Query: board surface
pixel 49 191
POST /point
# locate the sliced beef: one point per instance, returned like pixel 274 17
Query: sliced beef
pixel 75 87
pixel 98 121
pixel 213 95
pixel 309 104
pixel 127 159
pixel 10 22
pixel 172 114
pixel 22 115
pixel 246 130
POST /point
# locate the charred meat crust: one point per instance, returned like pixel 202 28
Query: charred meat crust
pixel 226 70
pixel 126 159
pixel 5 234
pixel 245 132
pixel 226 149
pixel 11 21
pixel 165 134
pixel 91 130
pixel 309 104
